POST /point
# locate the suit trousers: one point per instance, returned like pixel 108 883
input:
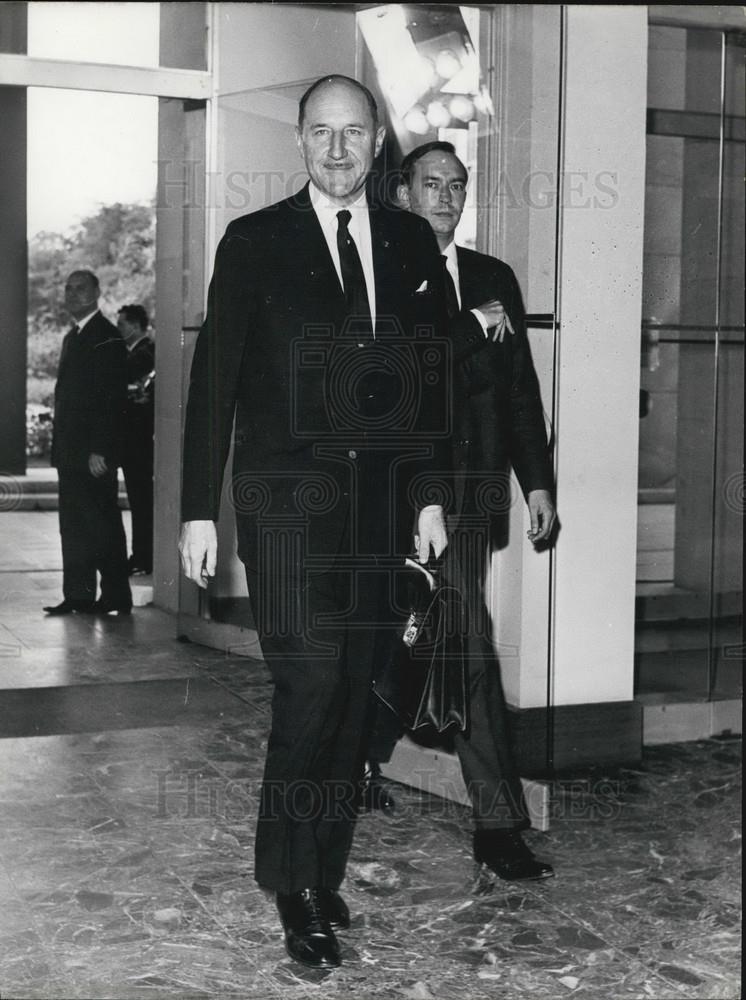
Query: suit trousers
pixel 92 537
pixel 485 752
pixel 137 466
pixel 321 628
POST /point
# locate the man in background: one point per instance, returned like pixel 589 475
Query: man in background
pixel 89 411
pixel 498 423
pixel 137 457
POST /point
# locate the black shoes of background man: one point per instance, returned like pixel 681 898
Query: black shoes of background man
pixel 99 607
pixel 504 852
pixel 308 917
pixel 71 608
pixel 133 569
pixel 375 795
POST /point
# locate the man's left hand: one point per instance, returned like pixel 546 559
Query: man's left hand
pixel 430 534
pixel 543 515
pixel 97 465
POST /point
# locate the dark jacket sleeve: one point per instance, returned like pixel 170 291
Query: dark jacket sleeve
pixel 109 402
pixel 434 483
pixel 467 335
pixel 528 447
pixel 215 370
pixel 141 360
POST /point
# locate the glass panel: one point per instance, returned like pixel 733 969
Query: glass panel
pixel 423 60
pixel 95 210
pixel 727 640
pixel 666 73
pixel 125 34
pixel 691 407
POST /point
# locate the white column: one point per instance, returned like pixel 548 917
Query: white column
pixel 576 645
pixel 603 167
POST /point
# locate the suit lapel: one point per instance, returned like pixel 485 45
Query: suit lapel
pixel 308 244
pixel 386 279
pixel 469 285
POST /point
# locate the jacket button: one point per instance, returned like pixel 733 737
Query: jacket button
pixel 352 453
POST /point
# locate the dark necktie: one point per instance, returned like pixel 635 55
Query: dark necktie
pixel 452 306
pixel 353 279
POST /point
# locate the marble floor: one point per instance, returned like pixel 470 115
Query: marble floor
pixel 129 771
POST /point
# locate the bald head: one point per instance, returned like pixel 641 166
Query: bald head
pixel 338 137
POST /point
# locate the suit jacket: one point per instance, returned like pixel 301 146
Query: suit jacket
pixel 90 396
pixel 499 414
pixel 275 353
pixel 140 398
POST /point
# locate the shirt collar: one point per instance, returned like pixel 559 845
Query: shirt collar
pixel 326 208
pixel 451 256
pixel 80 323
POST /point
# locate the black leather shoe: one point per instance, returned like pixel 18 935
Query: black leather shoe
pixel 375 794
pixel 309 938
pixel 104 608
pixel 505 853
pixel 70 608
pixel 334 909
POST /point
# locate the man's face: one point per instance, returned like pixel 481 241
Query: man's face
pixel 128 329
pixel 338 140
pixel 437 192
pixel 81 295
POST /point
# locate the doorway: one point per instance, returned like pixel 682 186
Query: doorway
pixel 689 641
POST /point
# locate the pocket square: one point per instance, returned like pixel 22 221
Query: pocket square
pixel 422 288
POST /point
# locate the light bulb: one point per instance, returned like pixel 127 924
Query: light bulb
pixel 437 115
pixel 416 121
pixel 462 107
pixel 447 63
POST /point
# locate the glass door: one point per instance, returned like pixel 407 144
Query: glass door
pixel 690 531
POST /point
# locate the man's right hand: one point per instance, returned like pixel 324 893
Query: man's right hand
pixel 198 548
pixel 496 318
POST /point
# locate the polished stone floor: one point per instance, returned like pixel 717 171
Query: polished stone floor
pixel 129 771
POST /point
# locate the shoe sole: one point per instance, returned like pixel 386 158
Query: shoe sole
pixel 322 964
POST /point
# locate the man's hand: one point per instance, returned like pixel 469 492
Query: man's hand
pixel 541 509
pixel 431 533
pixel 496 317
pixel 97 465
pixel 198 548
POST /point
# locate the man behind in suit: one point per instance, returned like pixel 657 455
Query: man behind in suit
pixel 137 459
pixel 498 422
pixel 89 403
pixel 318 341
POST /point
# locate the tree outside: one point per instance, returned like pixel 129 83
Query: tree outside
pixel 118 244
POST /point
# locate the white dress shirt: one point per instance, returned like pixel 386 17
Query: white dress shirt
pixel 359 229
pixel 452 267
pixel 80 323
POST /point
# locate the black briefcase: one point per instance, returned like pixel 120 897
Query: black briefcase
pixel 425 679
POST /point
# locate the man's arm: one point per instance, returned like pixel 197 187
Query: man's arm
pixel 542 513
pixel 107 416
pixel 198 548
pixel 214 378
pixel 431 533
pixel 528 446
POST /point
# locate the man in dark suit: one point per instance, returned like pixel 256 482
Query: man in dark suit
pixel 321 341
pixel 498 422
pixel 137 458
pixel 89 403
